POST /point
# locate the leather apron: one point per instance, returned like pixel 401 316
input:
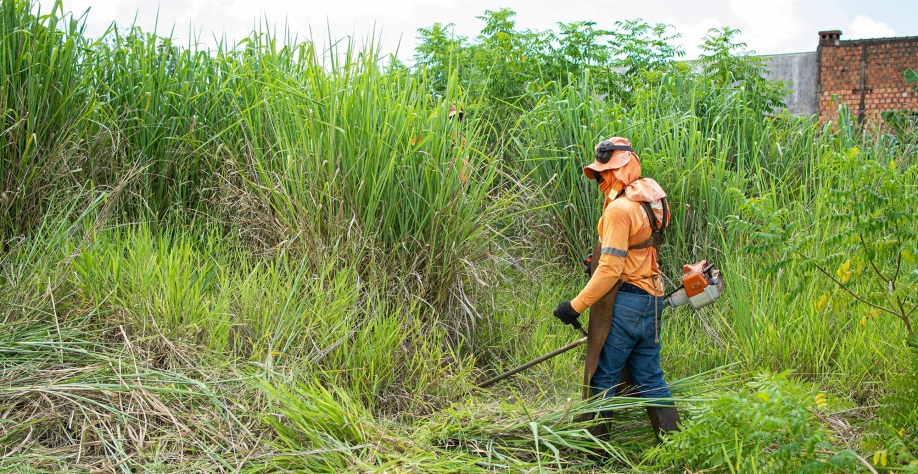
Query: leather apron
pixel 598 330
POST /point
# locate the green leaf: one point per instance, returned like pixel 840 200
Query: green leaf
pixel 910 76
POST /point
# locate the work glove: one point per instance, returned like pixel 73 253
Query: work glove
pixel 565 312
pixel 588 261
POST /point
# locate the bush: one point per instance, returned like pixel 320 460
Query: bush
pixel 894 438
pixel 774 427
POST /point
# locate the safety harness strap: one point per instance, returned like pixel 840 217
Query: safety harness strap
pixel 656 234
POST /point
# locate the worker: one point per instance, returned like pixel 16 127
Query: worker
pixel 454 112
pixel 458 140
pixel 634 215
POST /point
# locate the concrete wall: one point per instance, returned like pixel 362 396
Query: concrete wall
pixel 802 71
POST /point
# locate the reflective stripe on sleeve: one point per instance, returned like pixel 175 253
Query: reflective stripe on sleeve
pixel 614 252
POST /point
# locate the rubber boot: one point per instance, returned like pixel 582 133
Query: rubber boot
pixel 663 420
pixel 602 429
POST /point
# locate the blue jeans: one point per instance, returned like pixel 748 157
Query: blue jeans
pixel 631 341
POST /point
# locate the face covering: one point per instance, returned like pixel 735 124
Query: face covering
pixel 614 181
pixel 617 179
pixel 610 185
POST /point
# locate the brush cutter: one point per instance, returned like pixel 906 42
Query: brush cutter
pixel 578 342
pixel 702 285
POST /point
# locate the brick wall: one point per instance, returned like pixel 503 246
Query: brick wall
pixel 865 74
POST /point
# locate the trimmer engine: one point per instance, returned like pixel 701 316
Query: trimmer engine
pixel 701 285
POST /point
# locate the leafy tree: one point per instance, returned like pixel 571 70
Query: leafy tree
pixel 439 52
pixel 577 47
pixel 640 53
pixel 503 62
pixel 868 248
pixel 639 46
pixel 503 56
pixel 728 63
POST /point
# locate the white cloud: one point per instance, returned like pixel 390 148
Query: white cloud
pixel 864 27
pixel 693 34
pixel 768 27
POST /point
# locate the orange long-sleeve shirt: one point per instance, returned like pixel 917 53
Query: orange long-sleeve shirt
pixel 623 223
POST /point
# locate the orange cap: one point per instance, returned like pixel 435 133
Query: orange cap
pixel 618 158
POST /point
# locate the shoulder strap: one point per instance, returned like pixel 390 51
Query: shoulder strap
pixel 656 233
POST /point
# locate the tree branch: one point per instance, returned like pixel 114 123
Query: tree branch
pixel 898 257
pixel 842 286
pixel 904 316
pixel 870 260
pixel 865 463
pixel 912 310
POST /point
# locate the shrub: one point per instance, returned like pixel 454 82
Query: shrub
pixel 894 432
pixel 866 247
pixel 775 426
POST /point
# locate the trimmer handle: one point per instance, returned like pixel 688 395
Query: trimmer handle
pixel 579 327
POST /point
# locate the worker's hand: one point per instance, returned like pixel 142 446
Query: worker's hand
pixel 565 312
pixel 588 261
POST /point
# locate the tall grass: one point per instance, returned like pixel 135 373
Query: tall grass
pixel 325 146
pixel 346 150
pixel 43 101
pixel 270 257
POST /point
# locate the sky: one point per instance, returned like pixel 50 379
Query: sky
pixel 768 26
